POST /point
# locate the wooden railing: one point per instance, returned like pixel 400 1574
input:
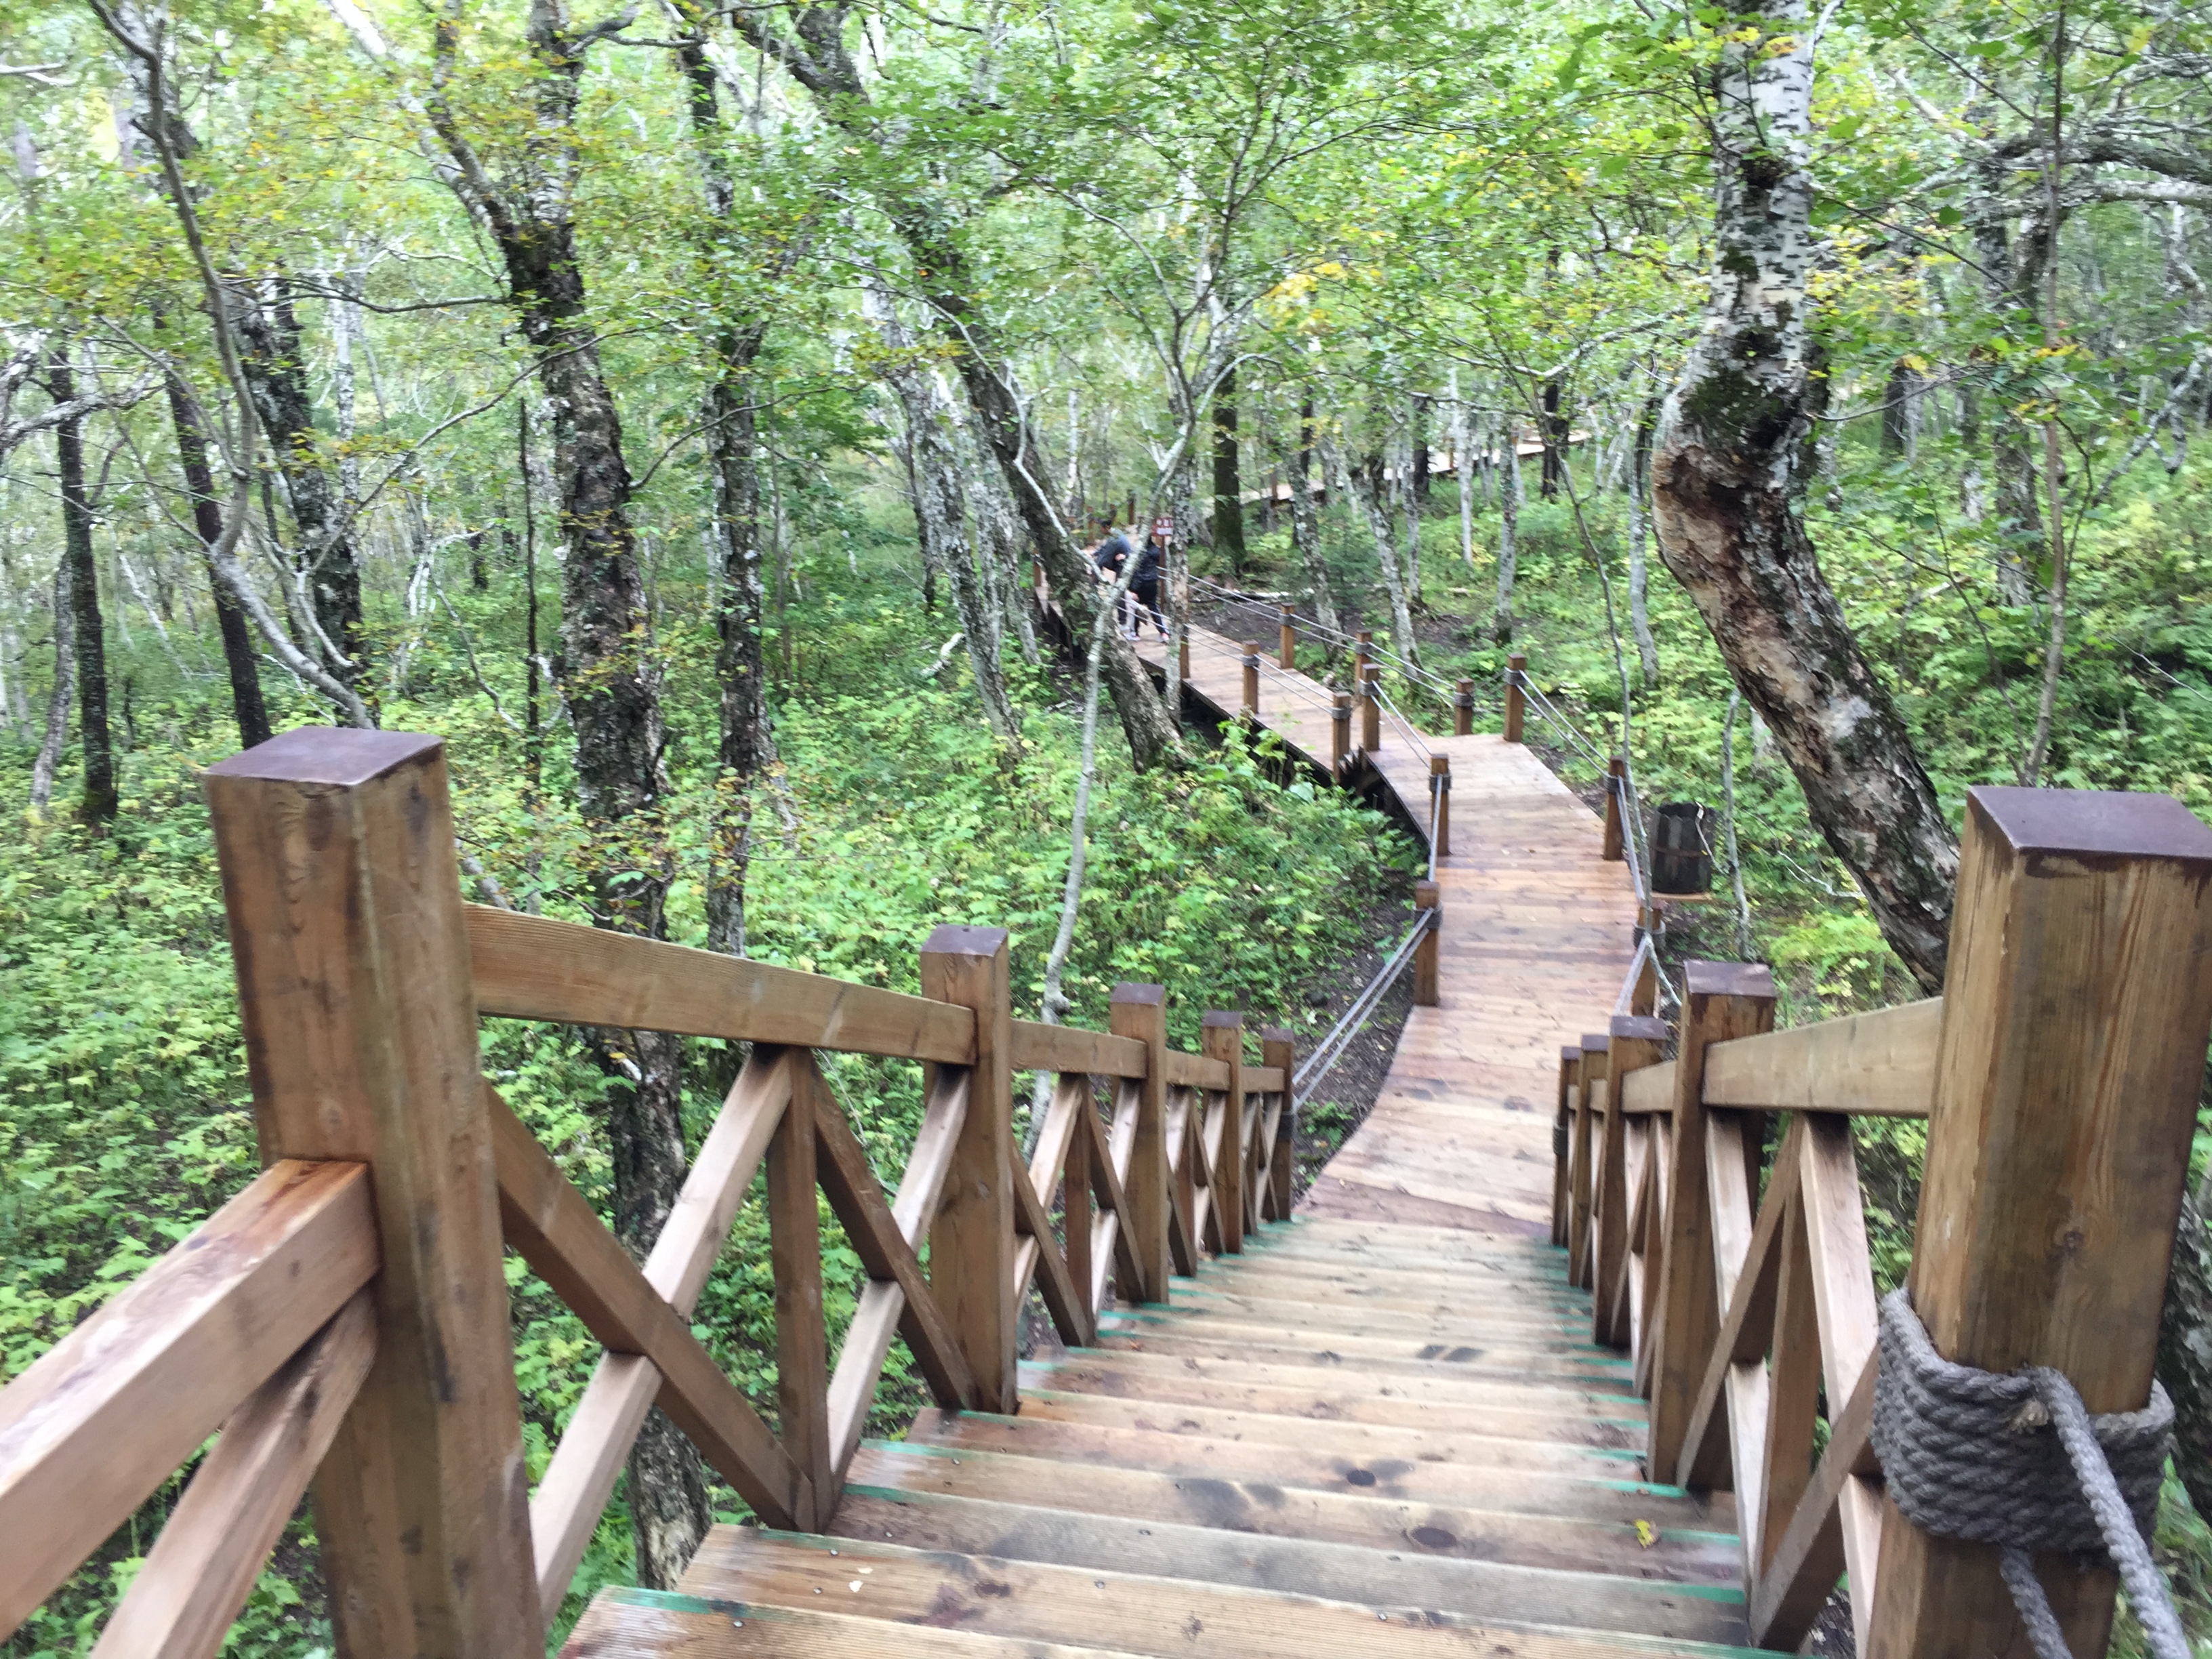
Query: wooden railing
pixel 2059 1074
pixel 344 1320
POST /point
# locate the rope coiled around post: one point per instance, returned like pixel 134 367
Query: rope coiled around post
pixel 2018 1462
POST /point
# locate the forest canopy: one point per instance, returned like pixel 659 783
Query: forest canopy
pixel 678 406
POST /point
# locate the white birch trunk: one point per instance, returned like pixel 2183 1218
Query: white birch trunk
pixel 1363 499
pixel 1509 527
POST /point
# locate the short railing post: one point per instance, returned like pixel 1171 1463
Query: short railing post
pixel 1279 1049
pixel 971 1243
pixel 1371 709
pixel 1588 1142
pixel 1463 709
pixel 1721 1001
pixel 1340 732
pixel 1615 770
pixel 1221 1036
pixel 1515 702
pixel 1440 791
pixel 1428 903
pixel 2075 1007
pixel 1633 1043
pixel 1141 1012
pixel 1251 708
pixel 1287 644
pixel 1363 653
pixel 1563 1138
pixel 1182 658
pixel 349 943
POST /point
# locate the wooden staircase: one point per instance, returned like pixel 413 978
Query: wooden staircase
pixel 1352 1438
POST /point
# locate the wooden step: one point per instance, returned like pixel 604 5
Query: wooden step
pixel 634 1624
pixel 1470 1291
pixel 1466 1358
pixel 1406 1577
pixel 1614 1452
pixel 1205 1302
pixel 1525 1537
pixel 1591 1490
pixel 1123 1370
pixel 1048 1602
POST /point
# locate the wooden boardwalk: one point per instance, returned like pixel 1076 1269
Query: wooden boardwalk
pixel 1381 1429
pixel 1537 933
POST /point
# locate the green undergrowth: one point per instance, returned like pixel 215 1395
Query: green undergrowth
pixel 125 1109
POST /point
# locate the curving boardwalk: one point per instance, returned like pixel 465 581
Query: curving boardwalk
pixel 1538 931
pixel 1380 1431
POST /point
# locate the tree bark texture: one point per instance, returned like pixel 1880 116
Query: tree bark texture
pixel 1639 563
pixel 1553 431
pixel 275 361
pixel 1729 484
pixel 1363 498
pixel 1228 479
pixel 610 689
pixel 1509 529
pixel 87 635
pixel 941 503
pixel 2185 1351
pixel 1305 523
pixel 239 656
pixel 55 738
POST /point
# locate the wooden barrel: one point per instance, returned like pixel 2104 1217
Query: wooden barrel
pixel 1682 842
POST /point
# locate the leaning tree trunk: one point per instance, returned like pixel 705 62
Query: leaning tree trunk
pixel 275 361
pixel 1729 483
pixel 1360 496
pixel 816 55
pixel 1305 523
pixel 87 637
pixel 238 655
pixel 610 689
pixel 940 506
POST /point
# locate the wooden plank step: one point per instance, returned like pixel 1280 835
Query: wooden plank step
pixel 1479 1589
pixel 1178 1617
pixel 1592 1494
pixel 642 1624
pixel 1525 1538
pixel 1619 1455
pixel 1406 1293
pixel 1117 1371
pixel 1464 1355
pixel 1536 1277
pixel 1207 1311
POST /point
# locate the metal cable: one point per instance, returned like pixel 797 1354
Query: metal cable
pixel 1330 1049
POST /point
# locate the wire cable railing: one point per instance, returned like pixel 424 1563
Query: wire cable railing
pixel 1398 719
pixel 1330 1049
pixel 1633 842
pixel 1427 679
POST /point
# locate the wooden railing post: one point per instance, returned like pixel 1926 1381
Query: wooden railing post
pixel 1463 709
pixel 1616 768
pixel 1251 710
pixel 344 904
pixel 1340 732
pixel 1371 709
pixel 2075 1007
pixel 971 1244
pixel 802 1353
pixel 1516 703
pixel 1581 1179
pixel 1182 658
pixel 1440 787
pixel 1427 898
pixel 1278 1048
pixel 1221 1036
pixel 1141 1012
pixel 1633 1043
pixel 1287 645
pixel 1721 1000
pixel 1362 653
pixel 1563 1138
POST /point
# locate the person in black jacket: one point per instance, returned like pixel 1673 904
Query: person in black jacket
pixel 1144 588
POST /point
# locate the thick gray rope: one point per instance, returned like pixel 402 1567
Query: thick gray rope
pixel 1966 1455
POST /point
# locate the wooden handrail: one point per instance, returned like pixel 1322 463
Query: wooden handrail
pixel 1742 1317
pixel 361 978
pixel 110 1411
pixel 1876 1065
pixel 535 968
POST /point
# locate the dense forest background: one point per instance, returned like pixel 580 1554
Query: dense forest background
pixel 666 405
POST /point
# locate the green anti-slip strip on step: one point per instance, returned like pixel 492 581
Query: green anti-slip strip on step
pixel 1079 1356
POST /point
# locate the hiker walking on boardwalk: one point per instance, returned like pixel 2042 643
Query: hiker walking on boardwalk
pixel 1145 586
